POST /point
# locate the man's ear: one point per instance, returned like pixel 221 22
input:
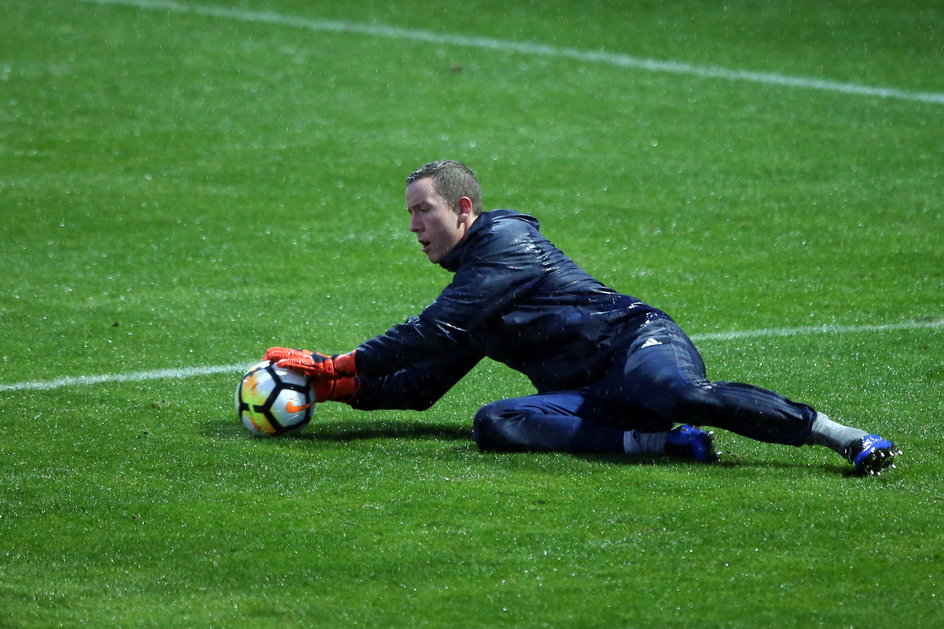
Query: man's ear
pixel 465 207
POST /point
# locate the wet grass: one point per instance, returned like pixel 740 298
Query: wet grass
pixel 181 189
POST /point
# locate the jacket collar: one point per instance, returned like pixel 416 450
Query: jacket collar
pixel 483 224
pixel 453 260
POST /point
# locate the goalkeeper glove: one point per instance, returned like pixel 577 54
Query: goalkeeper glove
pixel 313 364
pixel 275 354
pixel 340 390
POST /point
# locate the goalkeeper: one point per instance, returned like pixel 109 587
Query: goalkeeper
pixel 611 373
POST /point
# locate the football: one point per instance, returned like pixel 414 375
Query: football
pixel 271 400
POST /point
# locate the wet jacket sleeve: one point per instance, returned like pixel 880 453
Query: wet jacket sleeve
pixel 414 388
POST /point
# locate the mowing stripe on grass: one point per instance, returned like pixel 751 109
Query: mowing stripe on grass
pixel 535 49
pixel 190 372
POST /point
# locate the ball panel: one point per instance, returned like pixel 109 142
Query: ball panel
pixel 257 387
pixel 291 407
pixel 258 423
pixel 289 377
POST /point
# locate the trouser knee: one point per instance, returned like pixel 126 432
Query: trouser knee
pixel 488 427
pixel 687 397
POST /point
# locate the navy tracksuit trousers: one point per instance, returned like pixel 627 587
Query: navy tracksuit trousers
pixel 657 380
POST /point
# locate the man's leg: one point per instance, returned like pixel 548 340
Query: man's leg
pixel 559 422
pixel 548 422
pixel 662 373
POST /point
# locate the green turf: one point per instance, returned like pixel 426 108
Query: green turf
pixel 185 189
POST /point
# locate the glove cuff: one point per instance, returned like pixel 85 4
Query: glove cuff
pixel 339 390
pixel 345 364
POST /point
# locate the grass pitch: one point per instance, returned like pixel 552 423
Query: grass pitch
pixel 184 184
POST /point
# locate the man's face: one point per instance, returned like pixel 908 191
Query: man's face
pixel 438 227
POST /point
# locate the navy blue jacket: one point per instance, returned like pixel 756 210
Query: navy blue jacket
pixel 514 298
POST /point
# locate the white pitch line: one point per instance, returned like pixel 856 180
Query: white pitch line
pixel 534 49
pixel 193 372
pixel 816 329
pixel 137 376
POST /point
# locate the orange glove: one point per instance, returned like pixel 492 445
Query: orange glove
pixel 313 364
pixel 275 354
pixel 340 390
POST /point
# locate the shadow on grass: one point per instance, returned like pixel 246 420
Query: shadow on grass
pixel 386 430
pixel 343 432
pixel 348 432
pixel 732 462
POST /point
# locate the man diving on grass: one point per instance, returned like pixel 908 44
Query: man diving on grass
pixel 612 374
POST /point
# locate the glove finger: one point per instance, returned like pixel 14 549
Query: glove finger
pixel 305 366
pixel 276 354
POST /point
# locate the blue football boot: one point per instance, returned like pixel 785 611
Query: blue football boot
pixel 691 443
pixel 871 455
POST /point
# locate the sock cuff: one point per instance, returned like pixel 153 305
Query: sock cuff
pixel 635 442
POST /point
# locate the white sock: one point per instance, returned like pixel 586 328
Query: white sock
pixel 834 436
pixel 635 442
